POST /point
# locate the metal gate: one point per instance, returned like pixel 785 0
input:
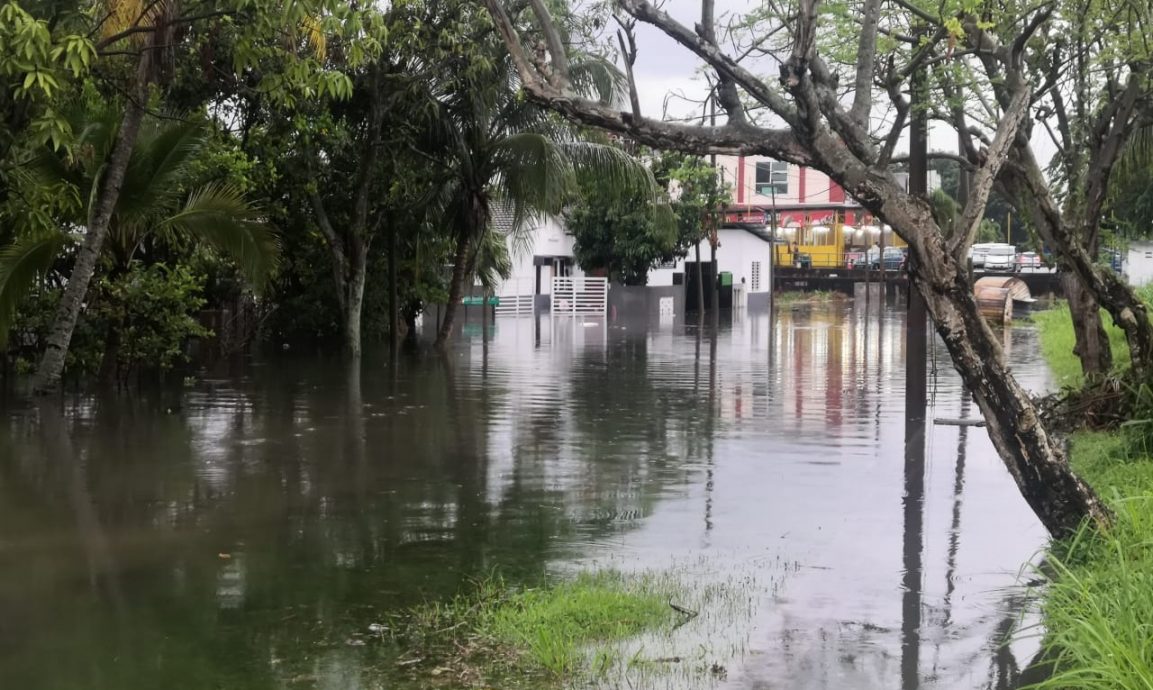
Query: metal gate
pixel 580 295
pixel 516 296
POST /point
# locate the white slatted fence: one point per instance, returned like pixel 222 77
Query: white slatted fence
pixel 582 295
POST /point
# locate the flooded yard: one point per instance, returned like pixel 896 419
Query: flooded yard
pixel 247 533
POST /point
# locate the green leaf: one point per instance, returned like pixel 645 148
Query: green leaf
pixel 20 264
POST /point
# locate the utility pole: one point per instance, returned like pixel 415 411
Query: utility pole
pixel 915 326
pixel 773 255
pixel 915 404
pixel 715 305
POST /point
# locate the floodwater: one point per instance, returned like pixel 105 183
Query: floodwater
pixel 244 534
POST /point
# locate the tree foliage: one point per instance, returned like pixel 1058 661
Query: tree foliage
pixel 624 237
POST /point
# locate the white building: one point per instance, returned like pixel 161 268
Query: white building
pixel 745 252
pixel 1139 263
pixel 548 254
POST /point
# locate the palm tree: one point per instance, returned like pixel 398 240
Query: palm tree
pixel 500 148
pixel 151 204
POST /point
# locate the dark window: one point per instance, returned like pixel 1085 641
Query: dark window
pixel 772 178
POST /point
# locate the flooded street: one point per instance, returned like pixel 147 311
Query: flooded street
pixel 240 535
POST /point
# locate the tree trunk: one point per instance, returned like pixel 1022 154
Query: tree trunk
pixel 455 289
pixel 715 300
pixel 52 363
pixel 700 287
pixel 484 317
pixel 109 364
pixel 1092 342
pixel 393 295
pixel 1024 181
pixel 354 301
pixel 1035 460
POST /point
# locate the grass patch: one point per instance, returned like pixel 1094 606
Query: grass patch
pixel 1098 609
pixel 814 297
pixel 554 635
pixel 1057 340
pixel 553 625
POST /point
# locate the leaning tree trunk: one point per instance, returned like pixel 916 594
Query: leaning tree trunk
pixel 455 289
pixel 1092 342
pixel 1036 460
pixel 64 323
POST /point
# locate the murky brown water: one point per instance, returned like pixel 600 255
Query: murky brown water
pixel 238 539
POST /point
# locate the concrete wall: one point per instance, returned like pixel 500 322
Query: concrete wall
pixel 637 301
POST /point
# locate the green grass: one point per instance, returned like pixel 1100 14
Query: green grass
pixel 1098 609
pixel 553 626
pixel 814 297
pixel 1057 340
pixel 549 636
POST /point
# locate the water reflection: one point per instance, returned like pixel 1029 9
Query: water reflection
pixel 247 539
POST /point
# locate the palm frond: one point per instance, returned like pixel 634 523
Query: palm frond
pixel 221 216
pixel 20 264
pixel 532 173
pixel 1137 158
pixel 597 77
pixel 159 160
pixel 622 172
pixel 493 263
pixel 665 223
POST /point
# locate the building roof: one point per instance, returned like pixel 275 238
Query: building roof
pixel 761 232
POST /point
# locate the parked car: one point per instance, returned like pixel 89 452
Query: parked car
pixel 893 259
pixel 1111 258
pixel 977 253
pixel 1028 260
pixel 1001 257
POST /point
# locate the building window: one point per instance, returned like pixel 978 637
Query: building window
pixel 755 281
pixel 772 178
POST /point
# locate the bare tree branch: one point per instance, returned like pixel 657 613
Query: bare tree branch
pixel 711 54
pixel 731 138
pixel 556 47
pixel 918 12
pixel 1113 131
pixel 983 183
pixel 893 87
pixel 940 155
pixel 726 89
pixel 629 57
pixel 866 55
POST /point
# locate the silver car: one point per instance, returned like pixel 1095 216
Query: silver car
pixel 1001 258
